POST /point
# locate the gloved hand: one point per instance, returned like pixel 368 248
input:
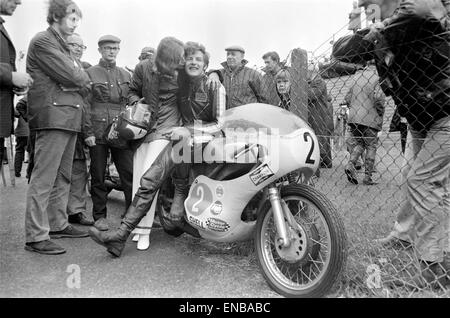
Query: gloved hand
pixel 213 81
pixel 178 133
pixel 90 141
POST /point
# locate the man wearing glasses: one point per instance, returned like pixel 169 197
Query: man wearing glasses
pixel 76 206
pixel 107 98
pixel 77 48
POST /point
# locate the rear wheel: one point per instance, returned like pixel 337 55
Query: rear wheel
pixel 316 256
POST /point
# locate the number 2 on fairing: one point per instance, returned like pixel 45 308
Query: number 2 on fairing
pixel 201 194
pixel 308 158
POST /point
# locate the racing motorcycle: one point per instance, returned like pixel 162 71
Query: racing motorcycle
pixel 246 186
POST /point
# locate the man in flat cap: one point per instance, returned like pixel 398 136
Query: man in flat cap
pixel 242 84
pixel 108 97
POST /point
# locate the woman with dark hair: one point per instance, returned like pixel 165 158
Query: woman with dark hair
pixel 160 91
pixel 156 81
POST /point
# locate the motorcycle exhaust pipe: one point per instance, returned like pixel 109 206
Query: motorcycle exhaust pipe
pixel 278 216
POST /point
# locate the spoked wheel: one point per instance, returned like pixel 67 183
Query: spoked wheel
pixel 316 256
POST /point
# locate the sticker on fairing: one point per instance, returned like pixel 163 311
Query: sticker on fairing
pixel 196 222
pixel 220 191
pixel 261 174
pixel 217 208
pixel 217 225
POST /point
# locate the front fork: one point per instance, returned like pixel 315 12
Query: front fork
pixel 280 212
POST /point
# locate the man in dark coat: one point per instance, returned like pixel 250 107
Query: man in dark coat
pixel 55 109
pixel 268 85
pixel 107 98
pixel 10 79
pixel 320 115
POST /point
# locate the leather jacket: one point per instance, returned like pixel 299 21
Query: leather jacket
pixel 107 97
pixel 200 105
pixel 413 62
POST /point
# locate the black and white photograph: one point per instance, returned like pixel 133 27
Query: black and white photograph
pixel 246 151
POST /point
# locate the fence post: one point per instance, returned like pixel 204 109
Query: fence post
pixel 299 89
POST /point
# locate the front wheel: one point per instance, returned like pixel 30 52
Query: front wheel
pixel 316 256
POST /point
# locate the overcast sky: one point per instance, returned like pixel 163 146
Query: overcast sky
pixel 257 25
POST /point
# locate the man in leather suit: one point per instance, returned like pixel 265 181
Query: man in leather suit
pixel 206 106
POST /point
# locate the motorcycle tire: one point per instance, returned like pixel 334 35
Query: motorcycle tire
pixel 169 229
pixel 336 259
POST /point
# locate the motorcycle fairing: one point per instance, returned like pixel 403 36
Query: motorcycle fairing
pixel 214 207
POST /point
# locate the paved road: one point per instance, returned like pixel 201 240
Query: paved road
pixel 171 267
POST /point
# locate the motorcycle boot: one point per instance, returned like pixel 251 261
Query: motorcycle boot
pixel 151 181
pixel 350 169
pixel 180 195
pixel 370 164
pixel 115 240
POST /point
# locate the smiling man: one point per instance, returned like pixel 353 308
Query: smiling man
pixel 55 106
pixel 243 84
pixel 201 108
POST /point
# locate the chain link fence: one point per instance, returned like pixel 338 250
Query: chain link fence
pixel 355 102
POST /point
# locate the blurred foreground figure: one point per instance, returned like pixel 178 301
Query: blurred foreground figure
pixel 11 81
pixel 411 48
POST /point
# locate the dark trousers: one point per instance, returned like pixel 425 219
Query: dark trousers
pixel 123 160
pixel 2 150
pixel 31 143
pixel 326 158
pixel 366 140
pixel 21 146
pixel 78 193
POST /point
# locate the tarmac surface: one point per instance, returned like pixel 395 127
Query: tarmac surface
pixel 182 267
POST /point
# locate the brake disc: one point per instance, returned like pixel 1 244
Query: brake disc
pixel 303 237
